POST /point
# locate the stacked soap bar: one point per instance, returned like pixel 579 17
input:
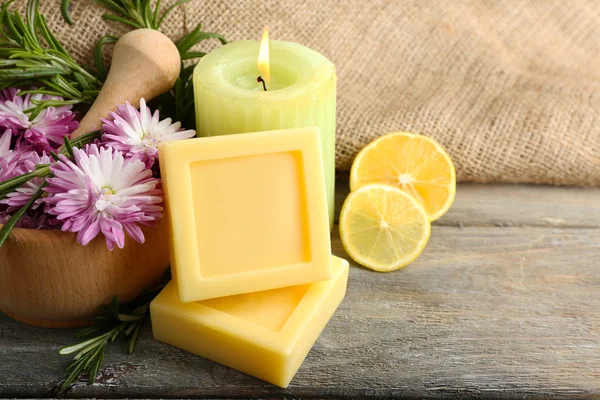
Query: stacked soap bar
pixel 254 281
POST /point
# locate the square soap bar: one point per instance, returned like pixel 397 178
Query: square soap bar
pixel 265 334
pixel 247 212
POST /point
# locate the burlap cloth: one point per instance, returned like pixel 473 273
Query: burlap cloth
pixel 511 88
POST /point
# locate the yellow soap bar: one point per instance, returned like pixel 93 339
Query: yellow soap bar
pixel 247 212
pixel 265 334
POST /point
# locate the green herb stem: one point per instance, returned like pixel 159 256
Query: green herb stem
pixel 113 321
pixel 10 224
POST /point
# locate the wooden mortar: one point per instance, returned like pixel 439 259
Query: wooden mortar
pixel 47 279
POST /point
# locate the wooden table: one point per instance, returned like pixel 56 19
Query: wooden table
pixel 503 303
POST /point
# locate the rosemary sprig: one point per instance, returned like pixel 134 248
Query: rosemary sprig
pixel 30 54
pixel 137 13
pixel 113 321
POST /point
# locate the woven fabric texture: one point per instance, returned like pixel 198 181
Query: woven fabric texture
pixel 511 88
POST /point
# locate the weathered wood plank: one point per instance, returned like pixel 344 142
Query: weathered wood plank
pixel 514 205
pixel 498 312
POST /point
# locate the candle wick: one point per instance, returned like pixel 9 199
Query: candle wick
pixel 260 79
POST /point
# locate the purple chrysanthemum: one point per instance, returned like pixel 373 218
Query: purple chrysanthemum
pixel 10 160
pixel 5 143
pixel 31 220
pixel 47 130
pixel 102 192
pixel 138 133
pixel 9 94
pixel 28 162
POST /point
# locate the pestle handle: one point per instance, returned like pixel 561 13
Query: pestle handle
pixel 145 63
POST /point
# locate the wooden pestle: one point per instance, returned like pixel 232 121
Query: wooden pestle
pixel 145 64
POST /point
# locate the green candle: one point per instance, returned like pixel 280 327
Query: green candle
pixel 300 92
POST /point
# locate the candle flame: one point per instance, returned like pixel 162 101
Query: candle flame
pixel 263 57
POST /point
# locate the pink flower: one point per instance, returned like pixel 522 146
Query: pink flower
pixel 10 160
pixel 46 131
pixel 9 94
pixel 21 196
pixel 101 192
pixel 138 133
pixel 5 143
pixel 31 220
pixel 36 220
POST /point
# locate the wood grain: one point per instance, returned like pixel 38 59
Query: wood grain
pixel 514 205
pixel 45 287
pixel 486 312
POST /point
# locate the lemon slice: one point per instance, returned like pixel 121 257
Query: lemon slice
pixel 383 228
pixel 413 163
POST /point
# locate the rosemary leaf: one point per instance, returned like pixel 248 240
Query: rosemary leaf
pixel 115 333
pixel 50 103
pixel 89 94
pixel 112 5
pixel 75 364
pixel 13 184
pixel 84 139
pixel 128 329
pixel 147 14
pixel 28 55
pixel 134 337
pixel 122 20
pixel 77 347
pixel 10 224
pixel 98 58
pixel 73 376
pixel 187 41
pixel 68 87
pixel 69 147
pixel 155 16
pixel 194 37
pixel 40 91
pixel 81 80
pixel 192 54
pixel 87 331
pixel 91 345
pixel 42 104
pixel 128 318
pixel 29 41
pixel 31 15
pixel 92 357
pixel 49 36
pixel 64 93
pixel 23 73
pixel 168 11
pixel 96 365
pixel 8 22
pixel 64 11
